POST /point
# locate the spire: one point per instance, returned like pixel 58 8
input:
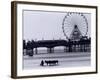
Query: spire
pixel 76 34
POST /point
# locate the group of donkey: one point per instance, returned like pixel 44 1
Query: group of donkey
pixel 49 62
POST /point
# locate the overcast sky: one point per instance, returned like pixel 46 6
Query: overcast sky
pixel 38 25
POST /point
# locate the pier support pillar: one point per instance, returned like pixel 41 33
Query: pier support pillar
pixel 50 50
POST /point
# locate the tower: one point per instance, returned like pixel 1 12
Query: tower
pixel 75 34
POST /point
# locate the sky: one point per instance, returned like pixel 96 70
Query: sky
pixel 47 25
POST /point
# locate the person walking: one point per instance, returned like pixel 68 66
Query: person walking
pixel 42 63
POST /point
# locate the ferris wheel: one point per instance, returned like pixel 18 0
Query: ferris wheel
pixel 73 20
